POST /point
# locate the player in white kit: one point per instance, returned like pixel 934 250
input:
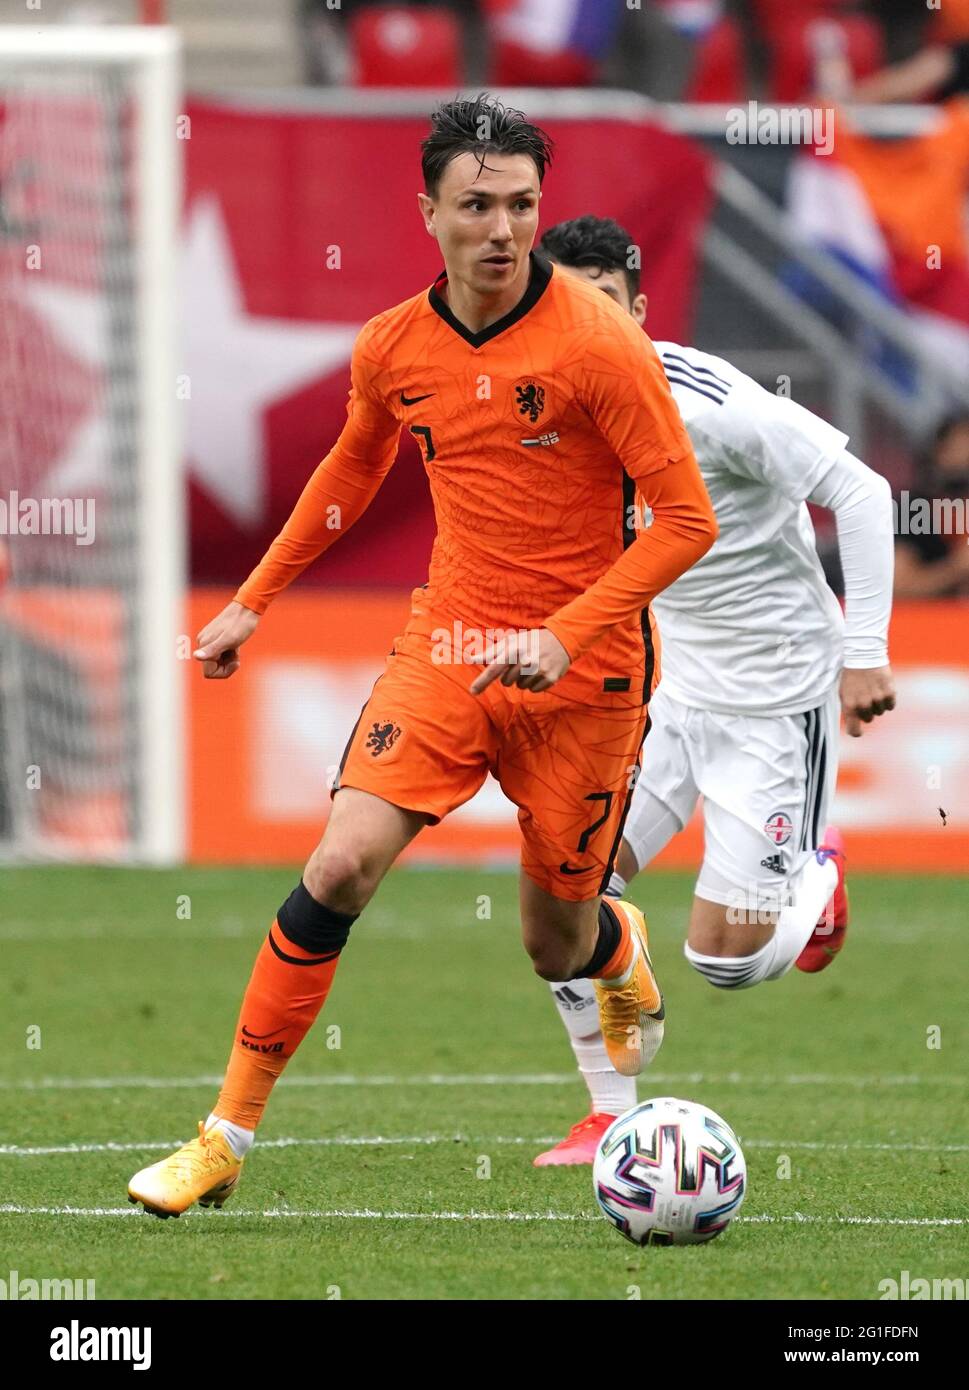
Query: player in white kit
pixel 757 664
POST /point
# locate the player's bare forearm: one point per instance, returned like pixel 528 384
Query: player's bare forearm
pixel 864 695
pixel 219 641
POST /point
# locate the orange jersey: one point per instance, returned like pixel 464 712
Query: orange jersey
pixel 536 434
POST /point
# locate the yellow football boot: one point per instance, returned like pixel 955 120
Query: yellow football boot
pixel 631 1011
pixel 205 1170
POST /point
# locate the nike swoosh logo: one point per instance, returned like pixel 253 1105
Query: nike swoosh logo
pixel 260 1035
pixel 412 400
pixel 567 869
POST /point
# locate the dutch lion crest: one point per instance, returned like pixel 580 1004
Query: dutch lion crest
pixel 529 399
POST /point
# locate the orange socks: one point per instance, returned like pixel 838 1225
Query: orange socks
pixel 287 989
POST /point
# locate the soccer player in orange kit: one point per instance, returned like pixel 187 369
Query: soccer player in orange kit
pixel 541 410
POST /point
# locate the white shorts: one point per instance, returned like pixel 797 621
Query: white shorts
pixel 766 783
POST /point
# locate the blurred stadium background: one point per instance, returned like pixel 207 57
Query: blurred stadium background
pixel 201 202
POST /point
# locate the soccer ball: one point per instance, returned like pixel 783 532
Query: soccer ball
pixel 669 1172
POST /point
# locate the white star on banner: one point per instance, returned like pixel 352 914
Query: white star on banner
pixel 238 364
pixel 77 319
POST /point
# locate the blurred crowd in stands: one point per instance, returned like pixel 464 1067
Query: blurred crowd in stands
pixel 912 191
pixel 932 560
pixel 673 50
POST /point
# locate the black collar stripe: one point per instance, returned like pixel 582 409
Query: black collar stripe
pixel 537 285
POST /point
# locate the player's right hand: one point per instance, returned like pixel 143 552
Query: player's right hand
pixel 220 640
pixel 865 693
pixel 532 660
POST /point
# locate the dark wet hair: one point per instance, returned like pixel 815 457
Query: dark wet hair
pixel 481 126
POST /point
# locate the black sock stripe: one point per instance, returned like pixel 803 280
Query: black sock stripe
pixel 304 922
pixel 608 936
pixel 298 960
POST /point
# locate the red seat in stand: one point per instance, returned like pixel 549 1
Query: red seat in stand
pixel 396 46
pixel 719 72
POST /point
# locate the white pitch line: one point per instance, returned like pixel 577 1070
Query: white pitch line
pixel 850 1146
pixel 328 1141
pixel 163 1083
pixel 363 1213
pixel 380 1140
pixel 345 1214
pixel 802 1218
pixel 697 1078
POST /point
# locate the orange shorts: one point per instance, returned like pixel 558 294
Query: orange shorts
pixel 425 743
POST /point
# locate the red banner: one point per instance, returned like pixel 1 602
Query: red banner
pixel 299 228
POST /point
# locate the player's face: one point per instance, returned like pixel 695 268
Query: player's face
pixel 614 284
pixel 485 219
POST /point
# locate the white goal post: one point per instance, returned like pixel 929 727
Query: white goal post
pixel 92 526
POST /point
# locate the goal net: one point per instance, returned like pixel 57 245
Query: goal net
pixel 91 524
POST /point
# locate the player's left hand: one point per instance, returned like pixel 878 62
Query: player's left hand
pixel 531 660
pixel 865 694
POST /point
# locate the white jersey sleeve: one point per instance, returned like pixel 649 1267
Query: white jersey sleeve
pixel 767 438
pixel 753 627
pixel 861 500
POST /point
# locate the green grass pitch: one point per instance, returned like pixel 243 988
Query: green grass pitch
pixel 451 1054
